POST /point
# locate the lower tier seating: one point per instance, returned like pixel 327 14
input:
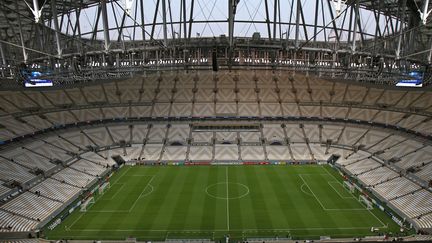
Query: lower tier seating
pixel 55 190
pixel 13 223
pixel 32 206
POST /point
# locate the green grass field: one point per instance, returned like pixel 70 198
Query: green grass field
pixel 207 202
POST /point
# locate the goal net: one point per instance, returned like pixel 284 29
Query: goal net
pixel 365 201
pixel 104 187
pixel 350 187
pixel 86 204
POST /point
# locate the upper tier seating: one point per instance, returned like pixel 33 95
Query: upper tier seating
pixel 305 96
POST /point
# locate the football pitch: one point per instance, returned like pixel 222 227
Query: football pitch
pixel 208 202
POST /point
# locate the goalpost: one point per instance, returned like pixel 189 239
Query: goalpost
pixel 104 187
pixel 367 202
pixel 86 203
pixel 350 187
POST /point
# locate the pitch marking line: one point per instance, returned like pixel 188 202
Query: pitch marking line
pixel 141 194
pixel 330 209
pixel 304 181
pixel 224 198
pixel 139 175
pixel 115 194
pixel 305 192
pixel 136 200
pixel 73 223
pixel 336 182
pixel 224 230
pixel 370 211
pixel 76 220
pixel 122 175
pixel 227 198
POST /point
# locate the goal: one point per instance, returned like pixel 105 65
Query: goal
pixel 367 202
pixel 104 187
pixel 350 187
pixel 86 204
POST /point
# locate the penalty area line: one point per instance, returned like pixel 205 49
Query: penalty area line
pixel 136 200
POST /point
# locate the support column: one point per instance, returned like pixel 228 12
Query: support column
pixel 430 55
pixel 21 36
pixel 165 31
pixel 401 30
pixel 356 13
pixel 231 22
pixel 297 29
pixel 184 20
pixel 425 14
pixel 56 27
pixel 105 25
pixel 3 57
pixel 36 11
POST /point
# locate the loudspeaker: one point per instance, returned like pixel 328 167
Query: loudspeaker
pixel 214 61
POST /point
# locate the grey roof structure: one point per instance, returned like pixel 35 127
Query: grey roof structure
pixel 376 41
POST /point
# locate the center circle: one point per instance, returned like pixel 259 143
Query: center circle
pixel 224 190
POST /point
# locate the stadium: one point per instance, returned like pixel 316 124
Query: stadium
pixel 215 121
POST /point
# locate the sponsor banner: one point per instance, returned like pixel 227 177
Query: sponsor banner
pixel 197 163
pixel 250 163
pixel 54 224
pixel 358 188
pixel 226 163
pixel 397 221
pixel 95 189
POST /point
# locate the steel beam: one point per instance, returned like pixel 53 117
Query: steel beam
pixel 297 29
pixel 425 13
pixel 333 19
pixel 154 20
pixel 120 30
pixel 184 20
pixel 25 55
pixel 430 55
pixel 105 25
pixel 356 19
pixel 2 53
pixel 56 27
pixel 78 28
pixel 275 18
pixel 95 29
pixel 142 20
pixel 165 29
pixel 303 21
pixel 36 11
pixel 316 19
pixel 191 18
pixel 401 29
pixel 231 22
pixel 267 20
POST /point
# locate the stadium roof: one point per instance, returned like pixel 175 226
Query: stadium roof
pixel 355 30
